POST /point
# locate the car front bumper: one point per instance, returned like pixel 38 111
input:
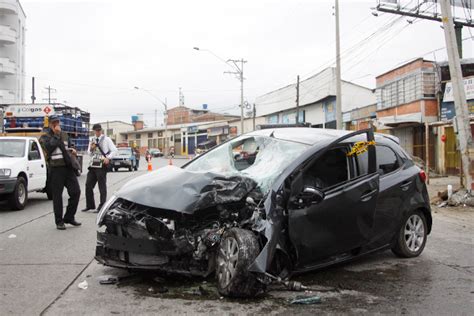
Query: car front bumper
pixel 144 254
pixel 7 185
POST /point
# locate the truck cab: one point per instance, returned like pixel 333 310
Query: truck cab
pixel 22 169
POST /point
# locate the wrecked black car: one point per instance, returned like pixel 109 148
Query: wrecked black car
pixel 267 205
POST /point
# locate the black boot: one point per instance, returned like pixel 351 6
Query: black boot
pixel 73 222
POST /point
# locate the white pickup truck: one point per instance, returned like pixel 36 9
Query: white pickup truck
pixel 22 170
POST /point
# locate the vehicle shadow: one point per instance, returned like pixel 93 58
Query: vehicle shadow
pixel 32 203
pixel 368 274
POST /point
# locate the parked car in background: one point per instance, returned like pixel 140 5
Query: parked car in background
pixel 204 147
pixel 155 152
pixel 22 170
pixel 267 205
pixel 125 158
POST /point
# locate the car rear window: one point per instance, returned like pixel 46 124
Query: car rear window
pixel 387 161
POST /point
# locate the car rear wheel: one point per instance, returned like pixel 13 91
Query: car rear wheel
pixel 19 197
pixel 237 251
pixel 412 236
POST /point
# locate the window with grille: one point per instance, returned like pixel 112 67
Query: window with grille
pixel 407 89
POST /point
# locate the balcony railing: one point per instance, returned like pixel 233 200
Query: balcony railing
pixel 7 35
pixel 7 66
pixel 8 6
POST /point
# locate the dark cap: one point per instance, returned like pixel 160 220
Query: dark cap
pixel 53 118
pixel 96 127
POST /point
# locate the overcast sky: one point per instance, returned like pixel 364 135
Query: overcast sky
pixel 95 52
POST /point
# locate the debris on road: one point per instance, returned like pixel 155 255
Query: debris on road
pixel 108 279
pixel 83 285
pixel 461 197
pixel 11 236
pixel 200 291
pixel 306 300
pixel 453 197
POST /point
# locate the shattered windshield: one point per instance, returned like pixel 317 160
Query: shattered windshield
pixel 259 158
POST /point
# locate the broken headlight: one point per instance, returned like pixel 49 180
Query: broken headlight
pixel 104 209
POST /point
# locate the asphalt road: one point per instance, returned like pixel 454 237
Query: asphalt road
pixel 41 267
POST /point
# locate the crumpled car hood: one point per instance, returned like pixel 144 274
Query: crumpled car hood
pixel 176 189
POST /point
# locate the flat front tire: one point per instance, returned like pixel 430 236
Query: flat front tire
pixel 19 197
pixel 412 236
pixel 237 251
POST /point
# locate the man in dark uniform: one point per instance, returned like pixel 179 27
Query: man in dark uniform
pixel 55 142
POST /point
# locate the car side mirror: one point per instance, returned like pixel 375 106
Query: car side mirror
pixel 312 195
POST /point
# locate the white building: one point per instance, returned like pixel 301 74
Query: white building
pixel 12 52
pixel 317 101
pixel 113 129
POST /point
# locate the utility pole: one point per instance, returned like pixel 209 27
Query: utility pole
pixel 338 71
pixel 297 99
pixel 156 117
pixel 242 95
pixel 460 103
pixel 165 119
pixel 240 75
pixel 181 97
pixel 254 115
pixel 239 71
pixel 33 97
pixel 49 89
pixel 2 123
pixel 165 104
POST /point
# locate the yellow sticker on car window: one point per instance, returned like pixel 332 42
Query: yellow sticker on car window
pixel 360 148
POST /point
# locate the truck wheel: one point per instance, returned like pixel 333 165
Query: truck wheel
pixel 19 197
pixel 237 251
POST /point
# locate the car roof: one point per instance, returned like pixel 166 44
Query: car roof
pixel 18 137
pixel 311 136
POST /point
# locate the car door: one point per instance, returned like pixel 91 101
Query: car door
pixel 396 183
pixel 36 167
pixel 343 220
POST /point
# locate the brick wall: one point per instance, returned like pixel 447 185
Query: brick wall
pixel 178 115
pixel 402 71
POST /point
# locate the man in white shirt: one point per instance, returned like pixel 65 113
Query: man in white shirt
pixel 101 150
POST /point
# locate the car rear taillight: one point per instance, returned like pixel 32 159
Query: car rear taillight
pixel 422 176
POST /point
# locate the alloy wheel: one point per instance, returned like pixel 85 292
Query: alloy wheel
pixel 227 260
pixel 414 233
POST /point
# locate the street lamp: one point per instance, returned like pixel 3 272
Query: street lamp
pixel 237 70
pixel 165 118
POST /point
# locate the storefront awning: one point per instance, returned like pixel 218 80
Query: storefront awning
pixel 405 119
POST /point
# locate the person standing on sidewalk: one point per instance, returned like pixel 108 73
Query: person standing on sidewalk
pixel 101 149
pixel 136 151
pixel 62 174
